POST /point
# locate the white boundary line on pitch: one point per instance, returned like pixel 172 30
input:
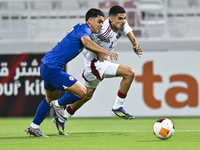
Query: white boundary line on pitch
pixel 129 131
pixel 147 131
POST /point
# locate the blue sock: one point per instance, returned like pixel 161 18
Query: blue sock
pixel 68 98
pixel 41 112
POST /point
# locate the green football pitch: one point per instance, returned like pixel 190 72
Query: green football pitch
pixel 100 134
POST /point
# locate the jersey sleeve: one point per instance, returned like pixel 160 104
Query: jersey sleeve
pixel 85 31
pixel 127 28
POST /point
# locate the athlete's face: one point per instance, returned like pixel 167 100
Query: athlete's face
pixel 118 21
pixel 96 23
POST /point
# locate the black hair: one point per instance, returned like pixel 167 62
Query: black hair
pixel 116 10
pixel 93 12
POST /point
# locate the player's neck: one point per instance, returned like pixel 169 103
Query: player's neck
pixel 112 26
pixel 90 26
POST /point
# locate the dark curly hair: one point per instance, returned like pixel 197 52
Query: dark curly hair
pixel 93 12
pixel 116 10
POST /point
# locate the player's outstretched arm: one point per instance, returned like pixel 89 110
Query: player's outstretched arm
pixel 136 45
pixel 91 46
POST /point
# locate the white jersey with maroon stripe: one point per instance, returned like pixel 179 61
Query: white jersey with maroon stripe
pixel 106 38
pixel 95 70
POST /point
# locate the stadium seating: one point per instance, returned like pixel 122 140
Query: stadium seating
pixel 107 4
pixel 50 17
pixel 20 6
pixel 131 16
pixel 151 16
pixel 179 3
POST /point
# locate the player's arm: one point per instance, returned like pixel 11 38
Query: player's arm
pixel 136 45
pixel 91 46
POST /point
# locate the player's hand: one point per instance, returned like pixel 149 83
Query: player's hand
pixel 112 55
pixel 102 56
pixel 138 51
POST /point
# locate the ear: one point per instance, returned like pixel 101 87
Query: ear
pixel 89 20
pixel 111 18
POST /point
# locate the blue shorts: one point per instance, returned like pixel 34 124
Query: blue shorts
pixel 56 78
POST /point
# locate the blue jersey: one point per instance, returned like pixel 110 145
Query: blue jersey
pixel 68 48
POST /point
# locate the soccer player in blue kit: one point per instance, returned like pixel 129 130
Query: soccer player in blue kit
pixel 55 80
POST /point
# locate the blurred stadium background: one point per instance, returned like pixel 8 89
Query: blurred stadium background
pixel 167 76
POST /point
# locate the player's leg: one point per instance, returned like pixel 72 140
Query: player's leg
pixel 73 93
pixel 92 77
pixel 72 108
pixel 44 106
pixel 51 94
pixel 54 81
pixel 41 113
pixel 127 74
pixel 75 106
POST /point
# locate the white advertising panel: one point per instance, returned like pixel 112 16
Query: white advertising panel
pixel 166 84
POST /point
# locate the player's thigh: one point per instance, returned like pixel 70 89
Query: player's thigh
pixel 56 79
pixel 124 71
pixel 90 91
pixel 111 70
pixel 77 89
pixel 92 84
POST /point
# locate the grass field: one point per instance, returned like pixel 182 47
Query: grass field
pixel 100 134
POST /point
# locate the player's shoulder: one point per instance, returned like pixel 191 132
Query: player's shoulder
pixel 83 28
pixel 126 25
pixel 106 24
pixel 106 27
